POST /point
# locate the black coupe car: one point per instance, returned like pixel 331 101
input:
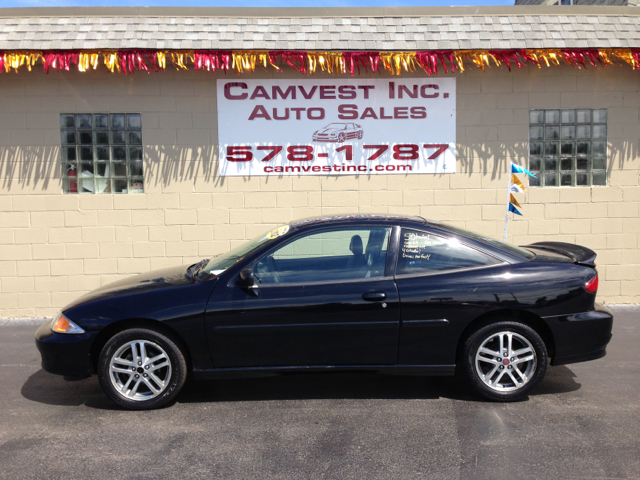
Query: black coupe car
pixel 376 293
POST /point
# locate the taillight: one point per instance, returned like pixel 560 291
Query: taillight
pixel 592 285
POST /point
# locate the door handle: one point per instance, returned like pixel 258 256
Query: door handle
pixel 374 296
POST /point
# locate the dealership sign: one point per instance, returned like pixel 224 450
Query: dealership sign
pixel 336 126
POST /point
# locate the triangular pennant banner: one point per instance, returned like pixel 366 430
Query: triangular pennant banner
pixel 516 181
pixel 513 209
pixel 513 200
pixel 518 169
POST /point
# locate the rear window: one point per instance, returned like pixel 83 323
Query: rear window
pixel 517 250
pixel 422 252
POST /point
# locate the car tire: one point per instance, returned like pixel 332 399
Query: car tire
pixel 359 135
pixel 503 371
pixel 141 369
pixel 341 138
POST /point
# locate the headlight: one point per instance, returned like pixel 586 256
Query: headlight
pixel 62 324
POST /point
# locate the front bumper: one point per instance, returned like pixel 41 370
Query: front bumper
pixel 581 337
pixel 65 354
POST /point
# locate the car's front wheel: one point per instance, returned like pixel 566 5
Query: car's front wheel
pixel 141 369
pixel 505 360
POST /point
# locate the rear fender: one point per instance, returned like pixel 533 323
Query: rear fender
pixel 522 316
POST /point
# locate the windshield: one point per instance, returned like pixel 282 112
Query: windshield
pixel 336 125
pixel 219 264
pixel 497 243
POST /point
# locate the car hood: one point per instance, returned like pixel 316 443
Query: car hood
pixel 155 280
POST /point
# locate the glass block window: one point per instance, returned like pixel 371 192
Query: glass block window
pixel 568 147
pixel 101 153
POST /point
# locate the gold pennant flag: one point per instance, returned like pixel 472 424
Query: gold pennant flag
pixel 111 61
pixel 162 60
pixel 394 62
pixel 513 200
pixel 516 181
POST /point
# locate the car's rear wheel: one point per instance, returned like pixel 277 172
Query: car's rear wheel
pixel 505 360
pixel 141 369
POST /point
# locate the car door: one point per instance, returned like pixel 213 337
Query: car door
pixel 320 299
pixel 350 131
pixel 443 284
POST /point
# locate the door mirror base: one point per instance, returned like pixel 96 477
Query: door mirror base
pixel 248 283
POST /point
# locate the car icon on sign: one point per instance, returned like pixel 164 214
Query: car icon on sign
pixel 338 132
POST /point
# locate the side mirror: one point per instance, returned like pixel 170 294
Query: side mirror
pixel 247 277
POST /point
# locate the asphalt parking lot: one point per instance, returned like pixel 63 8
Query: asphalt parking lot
pixel 583 422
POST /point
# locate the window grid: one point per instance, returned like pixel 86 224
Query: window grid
pixel 568 147
pixel 101 153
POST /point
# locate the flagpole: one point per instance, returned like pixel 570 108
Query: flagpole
pixel 506 217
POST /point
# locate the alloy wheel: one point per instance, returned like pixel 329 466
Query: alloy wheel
pixel 140 370
pixel 505 361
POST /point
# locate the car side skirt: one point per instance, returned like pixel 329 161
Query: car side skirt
pixel 248 372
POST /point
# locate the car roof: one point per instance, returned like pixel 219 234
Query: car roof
pixel 356 217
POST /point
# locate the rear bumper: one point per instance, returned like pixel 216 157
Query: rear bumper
pixel 580 337
pixel 579 357
pixel 64 354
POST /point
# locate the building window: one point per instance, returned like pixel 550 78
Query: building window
pixel 101 153
pixel 568 148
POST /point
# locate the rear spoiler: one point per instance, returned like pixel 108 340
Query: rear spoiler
pixel 579 255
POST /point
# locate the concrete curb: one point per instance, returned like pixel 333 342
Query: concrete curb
pixel 10 322
pixel 624 307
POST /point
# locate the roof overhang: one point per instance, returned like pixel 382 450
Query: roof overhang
pixel 398 38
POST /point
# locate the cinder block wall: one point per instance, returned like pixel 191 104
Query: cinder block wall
pixel 54 247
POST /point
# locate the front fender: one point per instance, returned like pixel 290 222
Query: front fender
pixel 180 307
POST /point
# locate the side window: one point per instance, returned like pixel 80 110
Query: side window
pixel 422 252
pixel 329 255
